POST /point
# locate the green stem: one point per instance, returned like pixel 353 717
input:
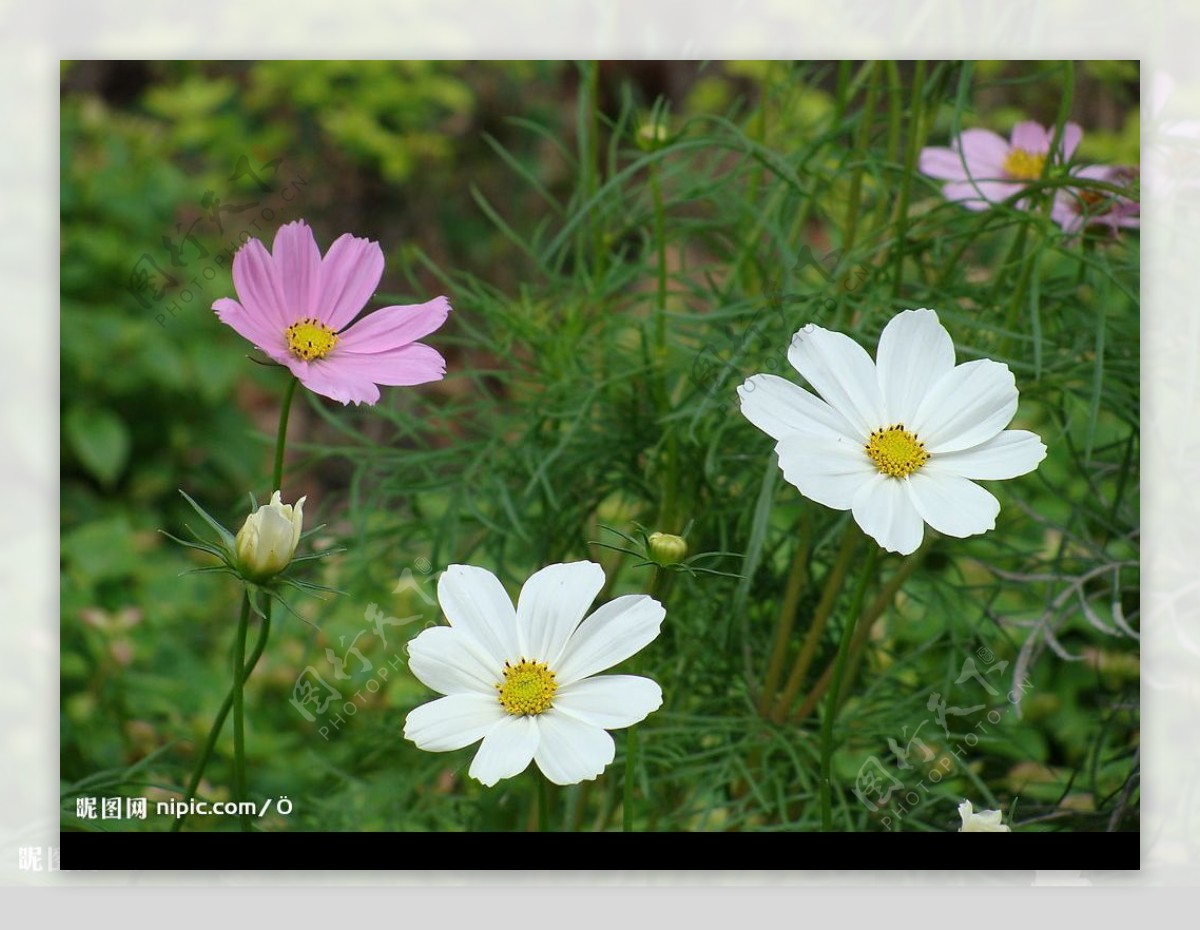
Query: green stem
pixel 543 804
pixel 281 435
pixel 666 519
pixel 631 745
pixel 234 695
pixel 885 597
pixel 916 139
pixel 834 581
pixel 239 733
pixel 631 738
pixel 796 580
pixel 862 138
pixel 226 705
pixel 836 687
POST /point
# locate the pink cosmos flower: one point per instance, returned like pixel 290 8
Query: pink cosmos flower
pixel 1076 208
pixel 299 308
pixel 983 169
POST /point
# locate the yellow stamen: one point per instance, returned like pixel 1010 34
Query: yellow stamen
pixel 310 339
pixel 896 452
pixel 1024 166
pixel 528 687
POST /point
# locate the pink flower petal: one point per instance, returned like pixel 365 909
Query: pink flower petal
pixel 335 381
pixel 1072 134
pixel 249 326
pixel 984 152
pixel 979 195
pixel 297 264
pixel 942 163
pixel 1031 137
pixel 350 272
pixel 258 287
pixel 393 327
pixel 415 363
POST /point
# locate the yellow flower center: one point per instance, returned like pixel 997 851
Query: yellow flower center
pixel 310 338
pixel 1024 166
pixel 896 452
pixel 528 687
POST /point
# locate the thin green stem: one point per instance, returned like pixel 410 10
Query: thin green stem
pixel 218 723
pixel 281 435
pixel 543 804
pixel 234 695
pixel 796 580
pixel 239 720
pixel 839 667
pixel 631 746
pixel 657 584
pixel 666 518
pixel 834 581
pixel 916 139
pixel 862 138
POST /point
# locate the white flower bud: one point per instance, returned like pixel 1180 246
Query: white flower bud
pixel 267 540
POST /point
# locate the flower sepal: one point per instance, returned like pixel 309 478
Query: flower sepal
pixel 263 552
pixel 666 551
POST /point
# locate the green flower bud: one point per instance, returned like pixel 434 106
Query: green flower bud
pixel 666 549
pixel 267 540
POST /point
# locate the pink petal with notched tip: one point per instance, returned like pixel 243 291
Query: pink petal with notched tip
pixel 257 285
pixel 350 272
pixel 297 264
pixel 252 326
pixel 392 327
pixel 415 363
pixel 1031 137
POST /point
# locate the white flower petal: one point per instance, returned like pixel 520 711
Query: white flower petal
pixel 507 749
pixel 842 373
pixel 967 406
pixel 883 509
pixel 450 662
pixel 610 701
pixel 570 750
pixel 951 504
pixel 1013 452
pixel 476 604
pixel 611 634
pixel 453 722
pixel 914 352
pixel 780 408
pixel 552 603
pixel 981 821
pixel 828 471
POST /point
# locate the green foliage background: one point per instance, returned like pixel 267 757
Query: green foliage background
pixel 612 286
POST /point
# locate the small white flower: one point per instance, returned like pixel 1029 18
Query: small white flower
pixel 983 822
pixel 899 442
pixel 267 540
pixel 522 680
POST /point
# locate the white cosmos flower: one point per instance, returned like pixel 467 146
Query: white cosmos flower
pixel 981 822
pixel 521 680
pixel 899 441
